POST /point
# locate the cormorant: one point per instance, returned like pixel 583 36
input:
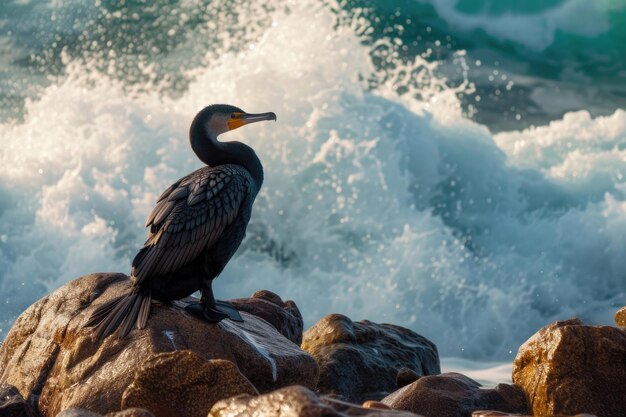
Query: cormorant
pixel 196 227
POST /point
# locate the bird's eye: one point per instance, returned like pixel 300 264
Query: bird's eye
pixel 233 116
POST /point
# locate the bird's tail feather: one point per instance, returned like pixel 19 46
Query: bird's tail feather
pixel 123 312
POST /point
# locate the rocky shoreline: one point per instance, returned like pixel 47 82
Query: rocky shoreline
pixel 179 366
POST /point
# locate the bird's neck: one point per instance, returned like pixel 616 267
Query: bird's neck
pixel 214 153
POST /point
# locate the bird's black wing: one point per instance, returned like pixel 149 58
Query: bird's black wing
pixel 189 217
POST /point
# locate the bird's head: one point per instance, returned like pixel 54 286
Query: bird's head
pixel 221 118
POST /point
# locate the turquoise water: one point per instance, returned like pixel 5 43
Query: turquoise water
pixel 542 48
pixel 456 167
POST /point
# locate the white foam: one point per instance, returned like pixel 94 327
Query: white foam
pixel 488 374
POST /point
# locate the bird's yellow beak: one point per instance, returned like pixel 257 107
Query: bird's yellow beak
pixel 238 119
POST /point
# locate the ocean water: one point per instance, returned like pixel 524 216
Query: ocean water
pixel 455 167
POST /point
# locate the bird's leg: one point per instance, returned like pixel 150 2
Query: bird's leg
pixel 206 293
pixel 211 310
pixel 222 307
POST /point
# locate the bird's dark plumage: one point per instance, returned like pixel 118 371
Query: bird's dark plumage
pixel 196 226
pixel 191 216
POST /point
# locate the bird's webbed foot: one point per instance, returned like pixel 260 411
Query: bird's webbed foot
pixel 214 313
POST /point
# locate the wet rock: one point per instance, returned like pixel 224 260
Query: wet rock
pixel 12 403
pixel 365 361
pixel 376 404
pixel 181 383
pixel 81 412
pixel 295 401
pixel 570 368
pixel 131 412
pixel 620 317
pixel 50 356
pixel 405 377
pixel 283 315
pixel 491 413
pixel 455 395
pixel 77 412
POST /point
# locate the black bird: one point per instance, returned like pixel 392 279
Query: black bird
pixel 196 227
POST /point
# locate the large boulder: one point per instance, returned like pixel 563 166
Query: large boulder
pixel 365 361
pixel 455 395
pixel 48 355
pixel 295 401
pixel 569 368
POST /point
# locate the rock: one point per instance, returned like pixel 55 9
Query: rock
pixel 12 403
pixel 283 315
pixel 570 368
pixel 376 404
pixel 620 317
pixel 405 377
pixel 455 395
pixel 181 383
pixel 77 412
pixel 131 412
pixel 295 401
pixel 491 413
pixel 50 356
pixel 365 361
pixel 81 412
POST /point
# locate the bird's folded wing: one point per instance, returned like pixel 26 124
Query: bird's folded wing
pixel 189 217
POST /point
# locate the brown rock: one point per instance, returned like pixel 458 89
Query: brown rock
pixel 183 384
pixel 376 404
pixel 620 317
pixel 81 412
pixel 131 412
pixel 12 403
pixel 50 356
pixel 491 413
pixel 283 315
pixel 77 412
pixel 295 401
pixel 363 360
pixel 455 395
pixel 570 368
